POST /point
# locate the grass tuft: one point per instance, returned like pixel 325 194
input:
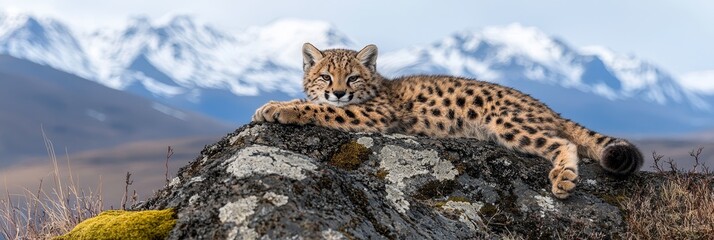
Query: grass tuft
pixel 50 210
pixel 680 207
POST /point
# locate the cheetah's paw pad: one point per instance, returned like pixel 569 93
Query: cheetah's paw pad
pixel 563 181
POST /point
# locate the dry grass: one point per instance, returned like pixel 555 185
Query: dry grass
pixel 50 210
pixel 60 201
pixel 680 207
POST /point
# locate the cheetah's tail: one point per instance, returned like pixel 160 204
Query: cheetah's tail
pixel 621 157
pixel 615 155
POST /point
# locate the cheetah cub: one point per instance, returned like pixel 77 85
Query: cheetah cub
pixel 345 92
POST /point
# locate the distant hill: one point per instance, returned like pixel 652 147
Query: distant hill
pixel 704 135
pixel 78 114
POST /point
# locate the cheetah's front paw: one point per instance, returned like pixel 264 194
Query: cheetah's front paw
pixel 264 113
pixel 563 180
pixel 279 112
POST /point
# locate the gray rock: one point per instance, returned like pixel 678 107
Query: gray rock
pixel 270 181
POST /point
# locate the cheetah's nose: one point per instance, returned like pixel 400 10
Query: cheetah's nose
pixel 339 94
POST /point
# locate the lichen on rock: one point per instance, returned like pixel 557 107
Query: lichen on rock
pixel 467 212
pixel 268 160
pixel 276 199
pixel 237 212
pixel 403 163
pixel 367 142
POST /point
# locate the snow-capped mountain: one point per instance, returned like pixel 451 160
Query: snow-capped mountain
pixel 178 48
pixel 195 66
pixel 515 53
pixel 43 40
pixel 192 65
pixel 172 58
pixel 185 56
pixel 699 81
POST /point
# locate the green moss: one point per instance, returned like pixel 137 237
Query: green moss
pixel 350 156
pixel 115 224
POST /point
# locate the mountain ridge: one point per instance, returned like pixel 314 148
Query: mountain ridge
pixel 514 52
pixel 77 114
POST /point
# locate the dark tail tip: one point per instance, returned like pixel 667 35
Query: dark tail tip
pixel 621 158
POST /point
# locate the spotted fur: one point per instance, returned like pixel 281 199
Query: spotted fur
pixel 346 92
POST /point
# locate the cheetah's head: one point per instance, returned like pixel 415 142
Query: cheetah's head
pixel 340 77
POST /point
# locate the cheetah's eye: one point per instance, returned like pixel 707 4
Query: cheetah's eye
pixel 352 79
pixel 326 77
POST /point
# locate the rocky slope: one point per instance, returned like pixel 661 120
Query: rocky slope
pixel 276 181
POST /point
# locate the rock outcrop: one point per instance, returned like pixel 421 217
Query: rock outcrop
pixel 278 181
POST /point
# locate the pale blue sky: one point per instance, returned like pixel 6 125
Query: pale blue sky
pixel 676 35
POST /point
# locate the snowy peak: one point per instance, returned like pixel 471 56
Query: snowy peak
pixel 642 79
pixel 137 25
pixel 185 29
pixel 17 29
pixel 635 72
pixel 700 81
pixel 22 25
pixel 516 39
pixel 42 40
pixel 178 55
pixel 514 42
pixel 178 47
pixel 516 53
pixel 493 54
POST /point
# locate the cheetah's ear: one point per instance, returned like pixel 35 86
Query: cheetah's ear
pixel 368 57
pixel 310 55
